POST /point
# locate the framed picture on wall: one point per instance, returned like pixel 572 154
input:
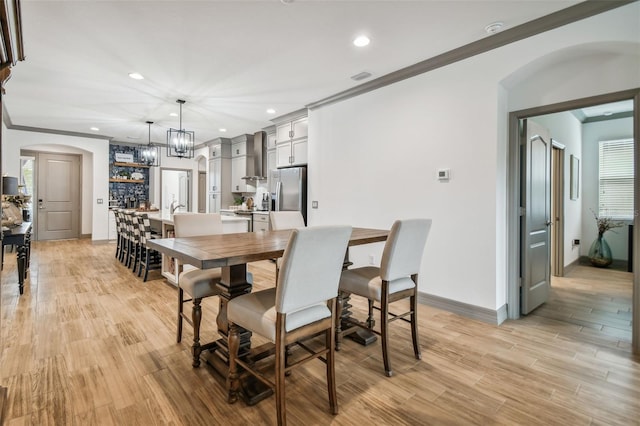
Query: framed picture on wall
pixel 574 184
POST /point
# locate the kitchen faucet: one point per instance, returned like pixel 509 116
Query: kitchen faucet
pixel 175 206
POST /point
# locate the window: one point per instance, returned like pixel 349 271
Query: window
pixel 616 179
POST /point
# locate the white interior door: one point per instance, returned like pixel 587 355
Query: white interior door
pixel 535 202
pixel 58 192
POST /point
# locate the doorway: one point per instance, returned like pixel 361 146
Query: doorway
pixel 514 209
pixel 175 187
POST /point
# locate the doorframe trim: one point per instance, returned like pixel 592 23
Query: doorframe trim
pixel 557 206
pixel 513 192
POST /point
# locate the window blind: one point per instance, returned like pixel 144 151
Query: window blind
pixel 616 179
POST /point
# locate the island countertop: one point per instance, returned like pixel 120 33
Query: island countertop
pixel 166 217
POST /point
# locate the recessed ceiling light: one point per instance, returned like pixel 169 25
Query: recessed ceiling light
pixel 271 111
pixel 494 27
pixel 223 130
pixel 286 1
pixel 136 76
pixel 361 41
pixel 95 129
pixel 173 114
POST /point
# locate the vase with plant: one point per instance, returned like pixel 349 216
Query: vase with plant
pixel 600 252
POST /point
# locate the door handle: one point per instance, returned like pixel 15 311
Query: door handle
pixel 40 205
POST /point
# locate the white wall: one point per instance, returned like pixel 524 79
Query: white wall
pixel 592 134
pixel 567 130
pixel 95 170
pixel 373 158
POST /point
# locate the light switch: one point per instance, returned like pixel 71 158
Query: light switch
pixel 443 174
pixel 99 200
pixel 314 204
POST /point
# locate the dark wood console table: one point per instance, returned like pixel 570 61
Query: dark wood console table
pixel 20 236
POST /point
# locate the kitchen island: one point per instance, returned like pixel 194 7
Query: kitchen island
pixel 162 222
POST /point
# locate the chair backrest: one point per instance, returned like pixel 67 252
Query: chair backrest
pixel 403 250
pixel 144 224
pixel 311 267
pixel 131 225
pixel 286 220
pixel 197 224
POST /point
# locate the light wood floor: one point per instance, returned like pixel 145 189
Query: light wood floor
pixel 88 343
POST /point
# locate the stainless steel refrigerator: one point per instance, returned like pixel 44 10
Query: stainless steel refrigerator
pixel 288 188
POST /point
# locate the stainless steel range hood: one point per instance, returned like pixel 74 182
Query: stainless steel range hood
pixel 259 157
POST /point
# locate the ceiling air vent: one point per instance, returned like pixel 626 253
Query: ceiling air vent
pixel 361 76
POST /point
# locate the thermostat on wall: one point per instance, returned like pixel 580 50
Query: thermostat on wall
pixel 443 174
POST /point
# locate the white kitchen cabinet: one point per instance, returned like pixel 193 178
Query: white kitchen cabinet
pixel 219 187
pixel 260 222
pixel 271 140
pixel 291 153
pixel 271 162
pixel 215 202
pixel 242 163
pixel 238 170
pixel 291 143
pixel 238 149
pixel 296 129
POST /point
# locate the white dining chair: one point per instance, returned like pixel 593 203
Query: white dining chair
pixel 197 283
pixel 302 305
pixel 395 279
pixel 285 220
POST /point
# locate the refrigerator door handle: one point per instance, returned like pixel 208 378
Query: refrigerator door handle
pixel 278 195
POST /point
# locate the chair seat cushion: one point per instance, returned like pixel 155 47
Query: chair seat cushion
pixel 199 283
pixel 366 282
pixel 257 312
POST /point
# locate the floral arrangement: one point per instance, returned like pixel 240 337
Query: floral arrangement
pixel 606 224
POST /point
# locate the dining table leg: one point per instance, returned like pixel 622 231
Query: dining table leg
pixel 234 283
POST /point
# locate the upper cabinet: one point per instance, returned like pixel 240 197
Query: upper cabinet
pixel 291 142
pixel 242 163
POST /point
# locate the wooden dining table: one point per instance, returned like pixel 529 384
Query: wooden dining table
pixel 232 253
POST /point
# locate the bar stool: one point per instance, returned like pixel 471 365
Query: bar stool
pixel 148 259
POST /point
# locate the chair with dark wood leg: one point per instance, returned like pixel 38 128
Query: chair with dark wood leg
pixel 302 306
pixel 148 259
pixel 197 283
pixel 395 279
pixel 116 215
pixel 126 239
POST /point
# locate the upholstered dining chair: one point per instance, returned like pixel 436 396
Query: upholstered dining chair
pixel 395 279
pixel 302 305
pixel 197 283
pixel 285 220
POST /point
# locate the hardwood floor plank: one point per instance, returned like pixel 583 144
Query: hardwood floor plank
pixel 90 343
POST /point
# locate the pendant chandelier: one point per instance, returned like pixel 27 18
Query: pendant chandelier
pixel 149 154
pixel 180 142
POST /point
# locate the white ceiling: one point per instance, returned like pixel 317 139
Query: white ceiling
pixel 230 60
